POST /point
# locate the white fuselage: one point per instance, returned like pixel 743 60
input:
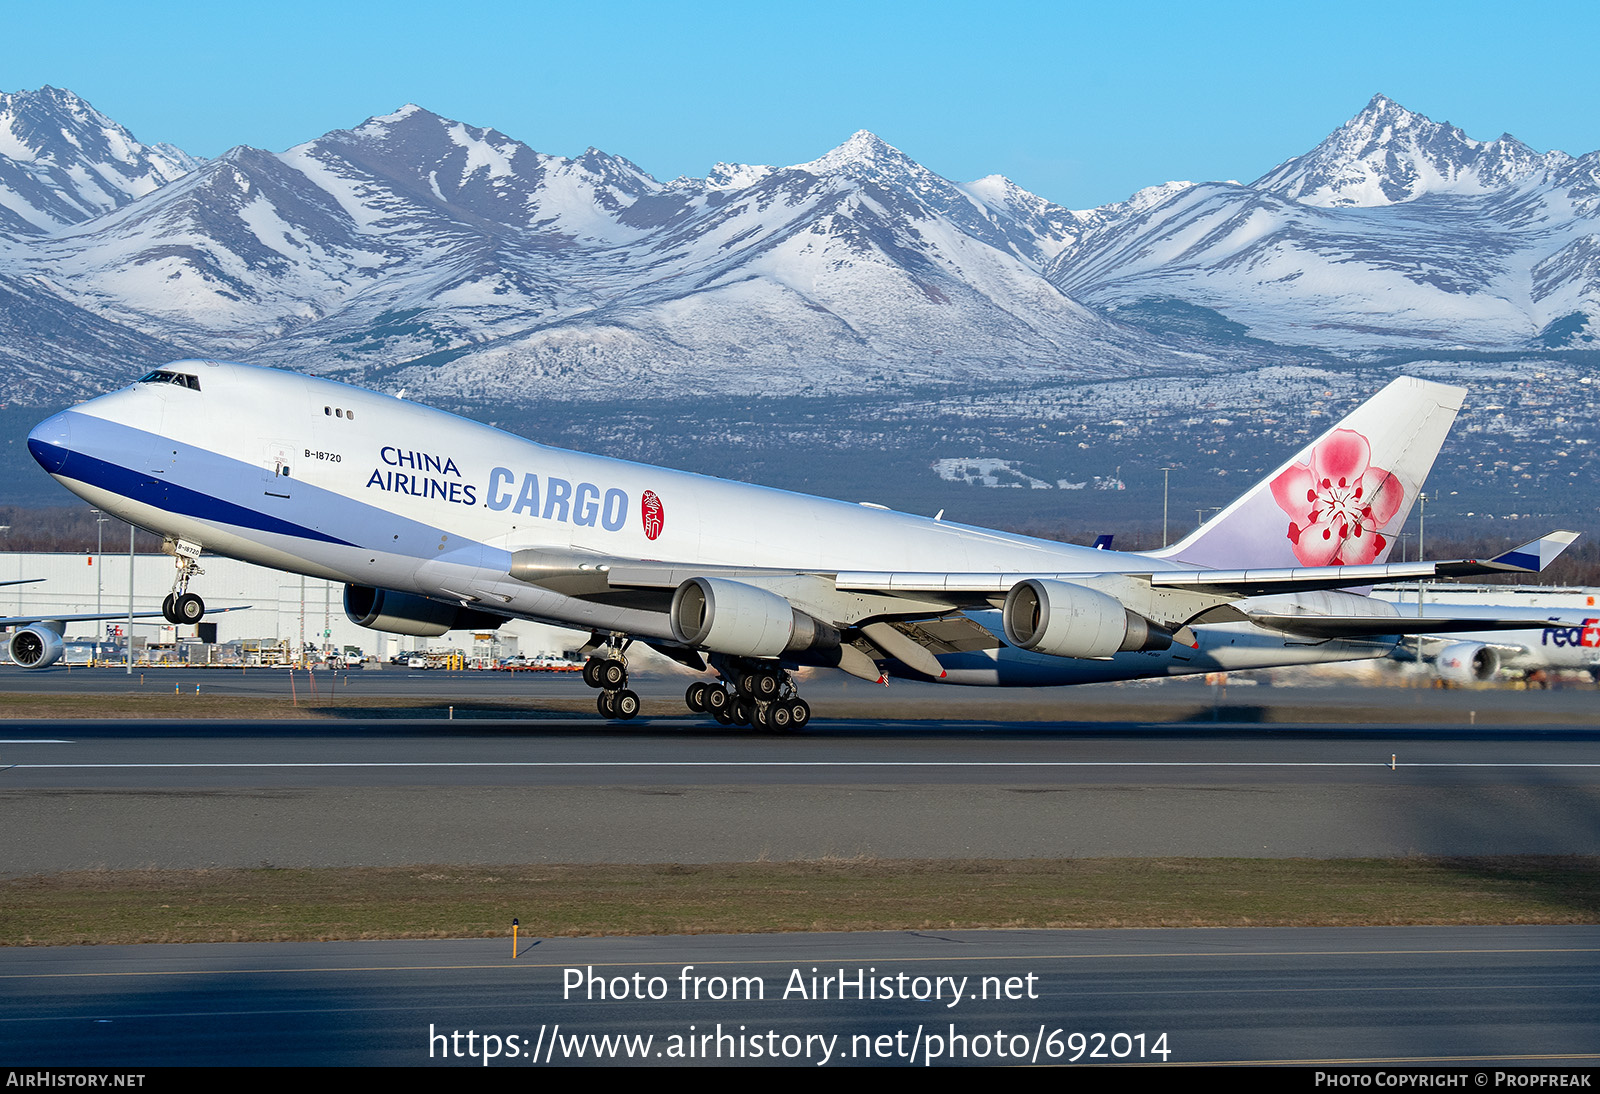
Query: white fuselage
pixel 321 478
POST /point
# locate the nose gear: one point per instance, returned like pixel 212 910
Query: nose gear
pixel 180 606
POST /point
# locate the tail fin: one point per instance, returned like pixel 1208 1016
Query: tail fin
pixel 1343 497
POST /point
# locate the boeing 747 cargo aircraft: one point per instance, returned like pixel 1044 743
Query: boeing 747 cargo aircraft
pixel 434 523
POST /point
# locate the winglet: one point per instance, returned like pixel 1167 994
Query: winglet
pixel 1534 555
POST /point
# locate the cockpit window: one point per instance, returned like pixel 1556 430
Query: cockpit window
pixel 167 376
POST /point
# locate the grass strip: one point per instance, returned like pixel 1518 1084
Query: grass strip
pixel 128 906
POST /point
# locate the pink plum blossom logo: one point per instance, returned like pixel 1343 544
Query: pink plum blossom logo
pixel 1339 502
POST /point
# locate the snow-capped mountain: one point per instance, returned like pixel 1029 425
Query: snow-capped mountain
pixel 63 162
pixel 414 250
pixel 1395 232
pixel 417 251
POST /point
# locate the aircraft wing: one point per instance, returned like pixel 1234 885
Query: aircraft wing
pixel 22 581
pixel 868 594
pixel 109 617
pixel 1530 557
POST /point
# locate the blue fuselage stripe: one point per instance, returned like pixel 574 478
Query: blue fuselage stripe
pixel 150 490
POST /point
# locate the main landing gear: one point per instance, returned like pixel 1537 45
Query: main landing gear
pixel 607 671
pixel 761 695
pixel 180 605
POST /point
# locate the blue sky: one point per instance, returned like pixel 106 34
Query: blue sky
pixel 1082 103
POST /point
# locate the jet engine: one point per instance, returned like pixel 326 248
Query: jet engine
pixel 407 613
pixel 35 647
pixel 1067 620
pixel 1467 662
pixel 731 617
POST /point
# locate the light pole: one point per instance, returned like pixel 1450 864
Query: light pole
pixel 99 568
pixel 130 600
pixel 1422 541
pixel 1166 482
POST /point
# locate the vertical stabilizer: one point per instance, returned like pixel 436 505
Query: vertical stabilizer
pixel 1342 498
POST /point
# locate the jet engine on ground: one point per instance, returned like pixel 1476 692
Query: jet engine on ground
pixel 35 647
pixel 1467 662
pixel 1067 620
pixel 407 613
pixel 731 617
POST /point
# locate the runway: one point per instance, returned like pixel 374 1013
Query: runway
pixel 355 787
pixel 93 794
pixel 1468 998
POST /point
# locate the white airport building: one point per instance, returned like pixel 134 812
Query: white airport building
pixel 284 610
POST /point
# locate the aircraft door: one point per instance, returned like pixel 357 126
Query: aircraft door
pixel 277 470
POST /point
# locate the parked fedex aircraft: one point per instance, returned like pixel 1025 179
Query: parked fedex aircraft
pixel 436 523
pixel 37 641
pixel 1555 639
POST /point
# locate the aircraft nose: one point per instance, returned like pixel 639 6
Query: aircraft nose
pixel 51 442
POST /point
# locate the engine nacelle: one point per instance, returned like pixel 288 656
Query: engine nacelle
pixel 1467 662
pixel 35 647
pixel 1067 620
pixel 407 613
pixel 713 613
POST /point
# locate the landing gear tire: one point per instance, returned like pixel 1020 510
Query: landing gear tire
pixel 723 714
pixel 613 673
pixel 626 705
pixel 591 671
pixel 188 609
pixel 695 697
pixel 781 717
pixel 606 704
pixel 761 716
pixel 717 700
pixel 799 713
pixel 168 611
pixel 742 709
pixel 767 685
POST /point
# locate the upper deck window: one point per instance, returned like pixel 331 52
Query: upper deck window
pixel 167 376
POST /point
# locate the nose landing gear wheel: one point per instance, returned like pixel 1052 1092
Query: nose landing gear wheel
pixel 188 608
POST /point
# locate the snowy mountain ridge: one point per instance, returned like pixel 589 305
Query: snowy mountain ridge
pixel 414 250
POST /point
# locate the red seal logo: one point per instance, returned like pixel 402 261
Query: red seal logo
pixel 652 513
